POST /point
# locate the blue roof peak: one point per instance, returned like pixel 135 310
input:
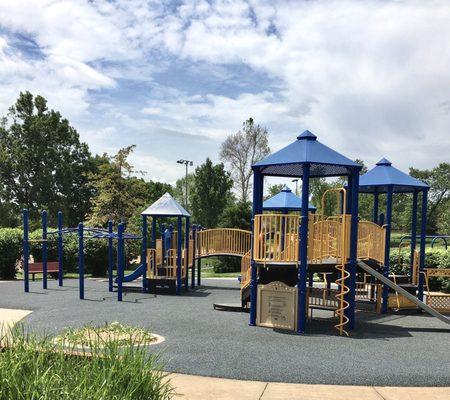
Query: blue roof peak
pixel 384 161
pixel 307 135
pixel 286 189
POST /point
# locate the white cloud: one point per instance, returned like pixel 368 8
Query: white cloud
pixel 370 78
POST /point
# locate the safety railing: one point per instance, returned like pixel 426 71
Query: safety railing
pixel 245 269
pixel 275 238
pixel 329 238
pixel 223 241
pixel 371 241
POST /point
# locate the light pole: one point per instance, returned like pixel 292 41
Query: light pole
pixel 186 163
pixel 296 186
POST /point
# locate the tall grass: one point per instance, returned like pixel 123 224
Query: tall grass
pixel 35 368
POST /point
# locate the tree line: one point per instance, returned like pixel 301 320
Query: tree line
pixel 44 165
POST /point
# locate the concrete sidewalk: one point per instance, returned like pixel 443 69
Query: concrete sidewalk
pixel 190 387
pixel 10 317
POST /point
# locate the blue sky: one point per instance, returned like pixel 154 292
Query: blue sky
pixel 369 78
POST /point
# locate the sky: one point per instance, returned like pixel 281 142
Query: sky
pixel 370 78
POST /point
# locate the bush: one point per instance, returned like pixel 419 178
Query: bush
pixel 10 251
pixel 227 264
pixel 434 258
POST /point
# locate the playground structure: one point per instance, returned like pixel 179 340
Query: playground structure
pixel 289 243
pixel 84 233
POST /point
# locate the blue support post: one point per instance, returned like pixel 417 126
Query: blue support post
pixel 186 254
pixel 376 197
pixel 81 259
pixel 194 243
pixel 423 233
pixel 144 253
pixel 163 244
pixel 153 244
pixel 387 249
pixel 349 194
pixel 26 251
pixel 110 257
pixel 258 188
pixel 44 249
pixel 351 280
pixel 413 233
pixel 179 243
pixel 120 258
pixel 199 271
pixel 303 252
pixel 60 248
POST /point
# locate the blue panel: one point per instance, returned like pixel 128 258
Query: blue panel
pixel 384 175
pixel 285 201
pixel 289 160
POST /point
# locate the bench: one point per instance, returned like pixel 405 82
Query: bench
pixel 38 267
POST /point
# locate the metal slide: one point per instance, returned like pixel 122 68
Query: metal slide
pixel 403 292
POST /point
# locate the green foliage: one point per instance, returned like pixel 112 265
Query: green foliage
pixel 35 368
pixel 211 193
pixel 434 258
pixel 113 198
pixel 44 164
pixel 10 251
pixel 273 190
pixel 227 264
pixel 179 192
pixel 438 179
pixel 237 215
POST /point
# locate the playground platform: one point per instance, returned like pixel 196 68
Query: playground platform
pixel 391 350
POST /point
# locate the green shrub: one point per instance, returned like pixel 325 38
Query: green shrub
pixel 434 258
pixel 227 264
pixel 10 251
pixel 36 369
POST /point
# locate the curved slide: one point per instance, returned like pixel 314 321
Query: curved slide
pixel 139 271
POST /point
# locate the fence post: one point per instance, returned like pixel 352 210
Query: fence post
pixel 60 248
pixel 44 249
pixel 81 259
pixel 26 251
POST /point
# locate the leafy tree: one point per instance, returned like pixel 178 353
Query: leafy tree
pixel 273 190
pixel 210 193
pixel 438 179
pixel 180 190
pixel 44 164
pixel 240 151
pixel 237 215
pixel 115 192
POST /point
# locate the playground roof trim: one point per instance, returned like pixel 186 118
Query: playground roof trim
pixel 384 175
pixel 166 206
pixel 289 161
pixel 285 201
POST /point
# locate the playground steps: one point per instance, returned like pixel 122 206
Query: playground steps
pixel 403 292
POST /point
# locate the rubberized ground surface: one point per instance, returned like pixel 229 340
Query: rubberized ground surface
pixel 392 350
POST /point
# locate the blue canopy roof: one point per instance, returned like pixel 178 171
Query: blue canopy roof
pixel 289 160
pixel 384 175
pixel 285 201
pixel 166 206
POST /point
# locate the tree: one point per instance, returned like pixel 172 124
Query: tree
pixel 240 151
pixel 211 193
pixel 274 189
pixel 180 190
pixel 438 179
pixel 115 190
pixel 44 164
pixel 237 215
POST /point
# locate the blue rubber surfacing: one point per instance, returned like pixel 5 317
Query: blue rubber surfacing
pixel 391 350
